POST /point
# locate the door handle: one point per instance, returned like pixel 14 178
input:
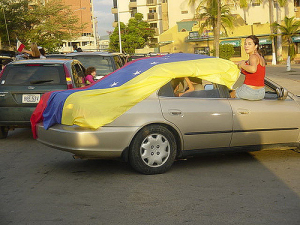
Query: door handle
pixel 175 112
pixel 243 111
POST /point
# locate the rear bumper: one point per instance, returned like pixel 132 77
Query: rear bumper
pixel 15 116
pixel 105 142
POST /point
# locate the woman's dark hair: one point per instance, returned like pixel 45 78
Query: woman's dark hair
pixel 89 70
pixel 256 42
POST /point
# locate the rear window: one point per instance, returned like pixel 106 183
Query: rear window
pixel 34 74
pixel 102 64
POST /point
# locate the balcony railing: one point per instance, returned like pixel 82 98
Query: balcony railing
pixel 156 31
pixel 114 10
pixel 151 2
pixel 132 4
pixel 151 16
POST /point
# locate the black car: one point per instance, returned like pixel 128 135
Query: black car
pixel 22 83
pixel 104 62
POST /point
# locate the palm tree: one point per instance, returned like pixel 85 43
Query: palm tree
pixel 271 16
pixel 216 15
pixel 290 28
pixel 279 5
pixel 244 5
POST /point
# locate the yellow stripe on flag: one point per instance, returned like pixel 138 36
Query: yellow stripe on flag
pixel 95 108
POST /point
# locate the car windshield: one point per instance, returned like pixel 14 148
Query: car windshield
pixel 102 64
pixel 33 74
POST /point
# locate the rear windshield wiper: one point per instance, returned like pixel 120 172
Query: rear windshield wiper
pixel 40 81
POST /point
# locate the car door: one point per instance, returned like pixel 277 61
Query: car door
pixel 267 121
pixel 204 122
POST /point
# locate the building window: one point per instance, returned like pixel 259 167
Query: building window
pixel 297 3
pixel 194 35
pixel 153 25
pixel 201 50
pixel 150 2
pixel 133 11
pixel 255 2
pixel 152 10
pixel 266 49
pixel 237 51
pixel 184 12
pixel 164 1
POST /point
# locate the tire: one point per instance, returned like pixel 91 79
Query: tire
pixel 3 132
pixel 153 150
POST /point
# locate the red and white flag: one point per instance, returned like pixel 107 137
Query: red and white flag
pixel 20 46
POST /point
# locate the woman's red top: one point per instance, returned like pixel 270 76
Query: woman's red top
pixel 257 78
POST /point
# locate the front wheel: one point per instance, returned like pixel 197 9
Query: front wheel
pixel 153 150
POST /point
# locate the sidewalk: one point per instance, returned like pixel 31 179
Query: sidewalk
pixel 290 80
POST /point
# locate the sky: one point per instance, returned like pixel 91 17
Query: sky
pixel 102 10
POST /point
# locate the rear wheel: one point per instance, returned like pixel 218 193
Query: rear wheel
pixel 3 132
pixel 153 150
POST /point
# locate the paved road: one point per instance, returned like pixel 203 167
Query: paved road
pixel 40 185
pixel 290 80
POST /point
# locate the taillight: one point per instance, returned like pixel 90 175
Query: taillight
pixel 34 64
pixel 68 77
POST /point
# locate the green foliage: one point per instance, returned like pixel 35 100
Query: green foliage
pixel 209 14
pixel 47 25
pixel 133 36
pixel 289 28
pixel 226 51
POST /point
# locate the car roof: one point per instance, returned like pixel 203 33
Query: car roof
pixel 44 61
pixel 90 53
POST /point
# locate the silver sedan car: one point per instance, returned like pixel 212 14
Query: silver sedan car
pixel 164 127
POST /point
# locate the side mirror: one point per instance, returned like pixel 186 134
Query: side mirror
pixel 282 93
pixel 208 87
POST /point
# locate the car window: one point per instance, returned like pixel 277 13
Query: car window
pixel 33 74
pixel 203 88
pixel 78 75
pixel 102 64
pixel 118 61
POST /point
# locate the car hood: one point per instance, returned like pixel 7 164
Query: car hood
pixel 110 97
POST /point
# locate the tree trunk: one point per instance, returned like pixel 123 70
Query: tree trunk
pixel 218 28
pixel 271 31
pixel 279 37
pixel 288 63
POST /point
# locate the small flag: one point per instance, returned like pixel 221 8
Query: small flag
pixel 20 46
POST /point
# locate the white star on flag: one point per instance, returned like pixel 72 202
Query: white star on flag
pixel 113 84
pixel 153 63
pixel 137 73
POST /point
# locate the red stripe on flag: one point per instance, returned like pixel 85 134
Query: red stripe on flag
pixel 20 46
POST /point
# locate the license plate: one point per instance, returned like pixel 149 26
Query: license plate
pixel 31 98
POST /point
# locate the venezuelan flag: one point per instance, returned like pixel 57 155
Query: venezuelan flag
pixel 102 102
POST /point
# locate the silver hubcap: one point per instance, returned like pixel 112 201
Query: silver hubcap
pixel 155 150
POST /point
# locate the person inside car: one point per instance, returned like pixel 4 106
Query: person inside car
pixel 186 85
pixel 90 74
